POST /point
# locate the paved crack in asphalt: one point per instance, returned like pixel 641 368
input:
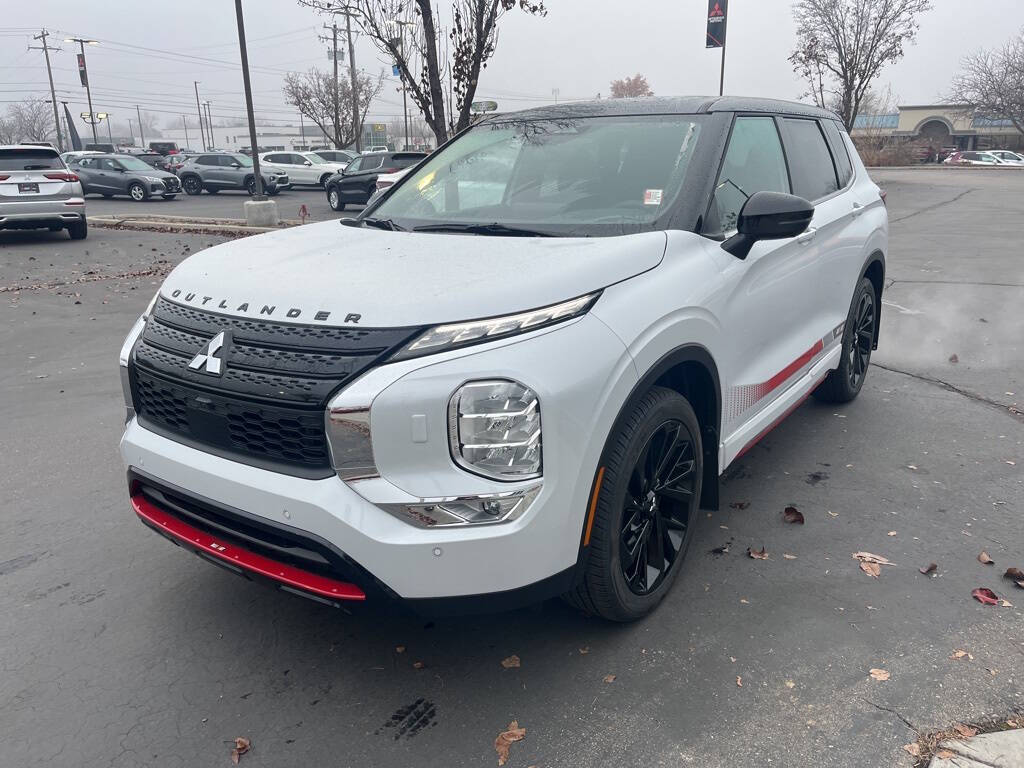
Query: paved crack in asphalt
pixel 957 282
pixel 1008 409
pixel 906 722
pixel 932 207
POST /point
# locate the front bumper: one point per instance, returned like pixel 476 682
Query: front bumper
pixel 41 213
pixel 581 373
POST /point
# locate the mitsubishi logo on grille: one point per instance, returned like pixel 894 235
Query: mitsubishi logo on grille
pixel 211 358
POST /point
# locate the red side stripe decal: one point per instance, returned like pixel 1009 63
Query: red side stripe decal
pixel 793 367
pixel 243 558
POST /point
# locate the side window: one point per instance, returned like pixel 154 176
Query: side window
pixel 226 160
pixel 108 164
pixel 754 162
pixel 814 175
pixel 372 161
pixel 296 159
pixel 206 160
pixel 355 165
pixel 842 157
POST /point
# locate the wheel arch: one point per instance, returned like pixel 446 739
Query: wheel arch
pixel 874 270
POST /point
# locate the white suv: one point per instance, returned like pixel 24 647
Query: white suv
pixel 304 167
pixel 520 372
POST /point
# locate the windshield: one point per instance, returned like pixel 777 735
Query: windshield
pixel 134 164
pixel 583 176
pixel 243 160
pixel 314 159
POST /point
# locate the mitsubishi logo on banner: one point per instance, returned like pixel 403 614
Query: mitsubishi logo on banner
pixel 717 10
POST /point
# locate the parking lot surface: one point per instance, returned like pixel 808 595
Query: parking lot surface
pixel 119 649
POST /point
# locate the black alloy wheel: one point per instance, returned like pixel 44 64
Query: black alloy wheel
pixel 657 507
pixel 859 333
pixel 192 185
pixel 863 339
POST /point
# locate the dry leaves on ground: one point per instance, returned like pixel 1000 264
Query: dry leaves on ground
pixel 965 730
pixel 793 515
pixel 891 533
pixel 945 754
pixel 512 662
pixel 757 554
pixel 739 681
pixel 879 674
pixel 788 556
pixel 505 740
pixel 418 665
pixel 985 595
pixel 871 569
pixel 929 569
pixel 399 649
pixel 722 550
pixel 867 557
pixel 241 747
pixel 609 678
pixel 1016 575
pixel 739 504
pixel 584 650
pixel 959 653
pixel 912 749
pixel 985 559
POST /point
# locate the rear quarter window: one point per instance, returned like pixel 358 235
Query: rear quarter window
pixel 810 162
pixel 29 159
pixel 844 167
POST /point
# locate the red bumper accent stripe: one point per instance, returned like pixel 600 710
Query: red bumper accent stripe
pixel 243 558
pixel 793 367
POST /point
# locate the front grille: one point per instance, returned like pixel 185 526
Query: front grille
pixel 267 407
pixel 172 184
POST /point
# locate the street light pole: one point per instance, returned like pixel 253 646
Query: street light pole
pixel 352 73
pixel 248 101
pixel 43 34
pixel 142 138
pixel 184 125
pixel 209 125
pixel 202 133
pixel 131 132
pixel 85 79
pixel 109 135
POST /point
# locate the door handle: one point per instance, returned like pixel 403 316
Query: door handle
pixel 807 236
pixel 858 209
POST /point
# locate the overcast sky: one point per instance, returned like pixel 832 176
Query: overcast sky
pixel 577 49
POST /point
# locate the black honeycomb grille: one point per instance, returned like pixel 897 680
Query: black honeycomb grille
pixel 267 406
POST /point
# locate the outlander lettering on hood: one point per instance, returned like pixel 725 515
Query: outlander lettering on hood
pixel 246 307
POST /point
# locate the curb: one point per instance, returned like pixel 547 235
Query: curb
pixel 156 223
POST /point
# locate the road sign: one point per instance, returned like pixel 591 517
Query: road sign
pixel 380 127
pixel 484 106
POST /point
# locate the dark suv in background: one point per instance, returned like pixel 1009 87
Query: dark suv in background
pixel 357 183
pixel 223 170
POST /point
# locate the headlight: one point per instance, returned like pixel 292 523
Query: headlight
pixel 153 180
pixel 444 337
pixel 494 429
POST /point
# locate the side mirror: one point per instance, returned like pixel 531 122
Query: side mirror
pixel 768 216
pixel 307 162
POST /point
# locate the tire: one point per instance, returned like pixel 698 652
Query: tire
pixel 273 192
pixel 323 180
pixel 250 186
pixel 106 195
pixel 845 382
pixel 169 197
pixel 137 192
pixel 192 185
pixel 631 513
pixel 212 190
pixel 334 199
pixel 79 229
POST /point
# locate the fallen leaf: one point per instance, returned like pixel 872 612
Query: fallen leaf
pixel 505 740
pixel 720 550
pixel 867 557
pixel 761 554
pixel 1014 573
pixel 744 601
pixel 985 595
pixel 959 653
pixel 871 569
pixel 879 674
pixel 965 730
pixel 793 515
pixel 790 684
pixel 418 665
pixel 891 533
pixel 984 558
pixel 945 754
pixel 740 504
pixel 399 649
pixel 739 681
pixel 512 662
pixel 585 650
pixel 609 678
pixel 834 514
pixel 788 556
pixel 912 749
pixel 954 359
pixel 240 748
pixel 930 568
pixel 1005 603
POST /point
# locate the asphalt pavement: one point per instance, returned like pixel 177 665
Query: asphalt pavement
pixel 119 649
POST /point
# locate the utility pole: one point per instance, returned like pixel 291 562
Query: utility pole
pixel 43 34
pixel 142 138
pixel 84 75
pixel 347 12
pixel 131 132
pixel 109 136
pixel 334 56
pixel 184 124
pixel 302 133
pixel 202 134
pixel 209 124
pixel 248 103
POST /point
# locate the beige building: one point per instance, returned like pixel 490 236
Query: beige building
pixel 940 125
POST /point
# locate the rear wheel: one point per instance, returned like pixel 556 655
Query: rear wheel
pixel 212 190
pixel 845 382
pixel 79 229
pixel 250 185
pixel 323 179
pixel 192 185
pixel 646 509
pixel 334 199
pixel 137 192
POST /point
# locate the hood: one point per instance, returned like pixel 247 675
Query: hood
pixel 331 274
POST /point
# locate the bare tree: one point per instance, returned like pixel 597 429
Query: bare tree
pixel 844 44
pixel 29 120
pixel 630 87
pixel 440 66
pixel 992 83
pixel 313 94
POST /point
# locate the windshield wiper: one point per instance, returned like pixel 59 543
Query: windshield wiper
pixel 484 229
pixel 382 224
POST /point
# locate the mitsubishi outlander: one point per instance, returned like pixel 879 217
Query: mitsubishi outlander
pixel 521 370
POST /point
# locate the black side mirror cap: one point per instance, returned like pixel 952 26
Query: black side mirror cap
pixel 768 216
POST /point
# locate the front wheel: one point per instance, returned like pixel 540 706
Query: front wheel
pixel 648 491
pixel 137 192
pixel 192 185
pixel 334 200
pixel 323 179
pixel 845 382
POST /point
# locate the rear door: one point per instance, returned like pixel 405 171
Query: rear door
pixel 302 170
pixel 32 174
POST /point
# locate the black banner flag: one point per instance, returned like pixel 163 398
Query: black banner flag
pixel 716 23
pixel 85 77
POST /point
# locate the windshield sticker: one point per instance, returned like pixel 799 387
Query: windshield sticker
pixel 652 197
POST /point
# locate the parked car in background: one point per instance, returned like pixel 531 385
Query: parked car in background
pixel 336 155
pixel 38 191
pixel 173 163
pixel 152 158
pixel 378 148
pixel 70 157
pixel 1008 157
pixel 304 167
pixel 387 180
pixel 358 182
pixel 973 158
pixel 114 174
pixel 109 148
pixel 216 171
pixel 164 147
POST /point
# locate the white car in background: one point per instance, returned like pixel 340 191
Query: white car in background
pixel 303 167
pixel 1008 157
